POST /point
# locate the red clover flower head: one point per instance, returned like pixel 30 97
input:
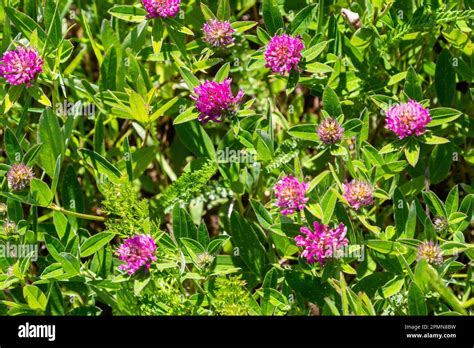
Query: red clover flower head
pixel 137 251
pixel 408 119
pixel 215 100
pixel 218 33
pixel 290 194
pixel 21 66
pixel 161 8
pixel 283 53
pixel 322 243
pixel 358 193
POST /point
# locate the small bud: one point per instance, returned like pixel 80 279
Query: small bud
pixel 204 260
pixel 218 33
pixel 3 209
pixel 431 252
pixel 330 132
pixel 19 177
pixel 358 193
pixel 440 223
pixel 351 17
pixel 9 227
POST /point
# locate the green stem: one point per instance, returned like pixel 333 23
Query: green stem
pixel 320 16
pixel 196 283
pixel 88 274
pixel 23 117
pixel 75 214
pixel 147 132
pixel 269 86
pixel 45 217
pixel 298 217
pixel 384 11
pixel 468 303
pixel 240 205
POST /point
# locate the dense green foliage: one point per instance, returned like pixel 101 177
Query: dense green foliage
pixel 111 132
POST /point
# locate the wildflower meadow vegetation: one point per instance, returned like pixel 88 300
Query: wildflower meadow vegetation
pixel 236 157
